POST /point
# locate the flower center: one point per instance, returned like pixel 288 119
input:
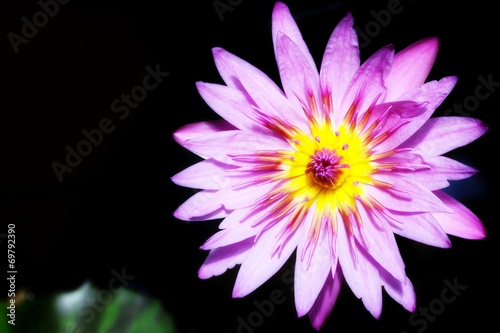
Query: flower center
pixel 325 167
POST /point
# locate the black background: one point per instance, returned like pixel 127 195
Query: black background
pixel 114 210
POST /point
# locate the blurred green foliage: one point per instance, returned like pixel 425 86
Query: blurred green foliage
pixel 87 310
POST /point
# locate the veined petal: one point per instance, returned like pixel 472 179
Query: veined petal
pixel 462 222
pixel 221 145
pixel 375 235
pixel 439 170
pixel 411 66
pixel 232 105
pixel 429 179
pixel 403 109
pixel 422 228
pixel 401 291
pixel 229 65
pixel 196 130
pixel 227 237
pixel 241 197
pixel 369 78
pixel 235 218
pixel 439 135
pixel 326 300
pixel 432 93
pixel 241 226
pixel 207 174
pixel 360 272
pixel 449 168
pixel 283 22
pixel 262 262
pixel 300 81
pixel 262 92
pixel 340 61
pixel 406 196
pixel 391 117
pixel 203 205
pixel 311 272
pixel 223 258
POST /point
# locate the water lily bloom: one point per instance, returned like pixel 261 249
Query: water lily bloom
pixel 330 167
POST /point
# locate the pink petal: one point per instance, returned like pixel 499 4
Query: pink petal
pixel 407 195
pixel 392 117
pixel 340 60
pixel 432 93
pixel 300 81
pixel 401 291
pixel 196 130
pixel 411 66
pixel 325 302
pixel 402 109
pixel 229 65
pixel 203 205
pixel 234 218
pixel 221 259
pixel 462 223
pixel 370 79
pixel 360 272
pixel 241 197
pixel 430 178
pixel 262 262
pixel 231 104
pixel 449 168
pixel 283 22
pixel 241 227
pixel 375 235
pixel 422 228
pixel 212 204
pixel 222 145
pixel 441 134
pixel 262 92
pixel 310 275
pixel 439 170
pixel 227 237
pixel 207 174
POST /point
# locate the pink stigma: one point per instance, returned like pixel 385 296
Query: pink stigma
pixel 325 167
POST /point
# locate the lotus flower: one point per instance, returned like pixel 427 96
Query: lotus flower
pixel 329 167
